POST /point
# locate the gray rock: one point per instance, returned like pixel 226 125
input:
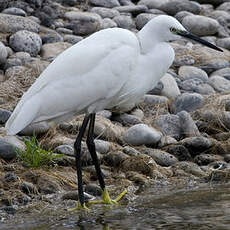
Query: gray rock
pixel 105 113
pixel 214 64
pixel 64 149
pixel 26 41
pixel 81 16
pixel 155 100
pixel 4 116
pixel 85 27
pixel 205 159
pixel 124 21
pixel 133 9
pixel 47 186
pixel 105 3
pixel 10 64
pixel 153 4
pixel 93 189
pixel 72 39
pixel 188 102
pixel 179 151
pixel 63 30
pixel 137 113
pixel 3 53
pixel 108 23
pixel 220 13
pixel 7 151
pixel 142 19
pixel 225 72
pixel 15 142
pixel 12 24
pixel 166 140
pixel 170 89
pixel 23 56
pixel 188 126
pixel 36 128
pixel 142 134
pixel 183 60
pixel 191 72
pixel 197 145
pixel 105 12
pixel 102 147
pixel 51 38
pixel 169 125
pixel 162 158
pixel 126 119
pixel 220 84
pixel 157 89
pixel 114 159
pixel 224 6
pixel 224 43
pixel 14 11
pixel 174 6
pixel 206 26
pixel 131 151
pixel 181 15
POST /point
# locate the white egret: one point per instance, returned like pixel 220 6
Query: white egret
pixel 111 69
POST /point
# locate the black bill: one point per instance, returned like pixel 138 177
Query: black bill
pixel 197 39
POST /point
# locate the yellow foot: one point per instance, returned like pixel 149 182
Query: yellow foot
pixel 79 207
pixel 106 198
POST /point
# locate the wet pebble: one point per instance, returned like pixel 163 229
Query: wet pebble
pixel 142 134
pixel 93 190
pixel 7 151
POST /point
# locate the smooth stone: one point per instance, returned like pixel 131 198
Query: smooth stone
pixel 72 39
pixel 220 84
pixel 11 63
pixel 105 3
pixel 224 6
pixel 85 27
pixel 23 56
pixel 51 50
pixel 93 190
pixel 64 149
pixel 142 19
pixel 131 151
pixel 174 6
pixel 206 26
pixel 36 128
pixel 126 3
pixel 166 140
pixel 214 64
pixel 188 126
pixel 183 60
pixel 162 158
pixel 220 13
pixel 26 41
pixel 7 151
pixel 46 185
pixel 14 11
pixel 105 12
pixel 105 113
pixel 133 9
pixel 188 102
pixel 197 145
pixel 142 134
pixel 3 53
pixel 13 23
pixel 63 30
pixel 225 72
pixel 223 42
pixel 153 4
pixel 126 119
pixel 125 22
pixel 179 151
pixel 191 72
pixel 51 38
pixel 181 15
pixel 157 89
pixel 205 159
pixel 15 142
pixel 169 125
pixel 102 146
pixel 114 159
pixel 194 85
pixel 155 100
pixel 108 23
pixel 4 115
pixel 170 87
pixel 81 16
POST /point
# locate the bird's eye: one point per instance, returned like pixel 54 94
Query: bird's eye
pixel 173 30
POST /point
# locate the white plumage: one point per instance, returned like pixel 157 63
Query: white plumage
pixel 111 69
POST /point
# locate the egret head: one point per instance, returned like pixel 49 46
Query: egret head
pixel 167 28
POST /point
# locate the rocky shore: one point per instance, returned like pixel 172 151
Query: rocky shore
pixel 179 132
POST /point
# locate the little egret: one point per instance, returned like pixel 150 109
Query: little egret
pixel 111 69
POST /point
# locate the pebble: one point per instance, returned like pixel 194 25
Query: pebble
pixel 224 43
pixel 36 128
pixel 166 140
pixel 102 146
pixel 174 6
pixel 3 53
pixel 10 64
pixel 26 41
pixel 142 19
pixel 108 23
pixel 191 72
pixel 181 15
pixel 220 84
pixel 179 151
pixel 142 134
pixel 130 151
pixel 105 12
pixel 162 158
pixel 205 159
pixel 170 87
pixel 224 6
pixel 138 113
pixel 125 22
pixel 13 23
pixel 126 119
pixel 64 149
pixel 206 26
pixel 15 142
pixel 14 11
pixel 214 64
pixel 4 116
pixel 225 72
pixel 47 186
pixel 169 125
pixel 157 89
pixel 62 30
pixel 93 190
pixel 197 145
pixel 153 4
pixel 105 3
pixel 153 100
pixel 188 102
pixel 114 159
pixel 72 39
pixel 51 38
pixel 133 9
pixel 7 151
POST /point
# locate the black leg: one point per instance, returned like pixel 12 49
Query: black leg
pixel 77 149
pixel 91 146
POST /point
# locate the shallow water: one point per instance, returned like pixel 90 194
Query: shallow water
pixel 203 207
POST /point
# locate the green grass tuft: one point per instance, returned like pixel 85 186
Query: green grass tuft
pixel 34 156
